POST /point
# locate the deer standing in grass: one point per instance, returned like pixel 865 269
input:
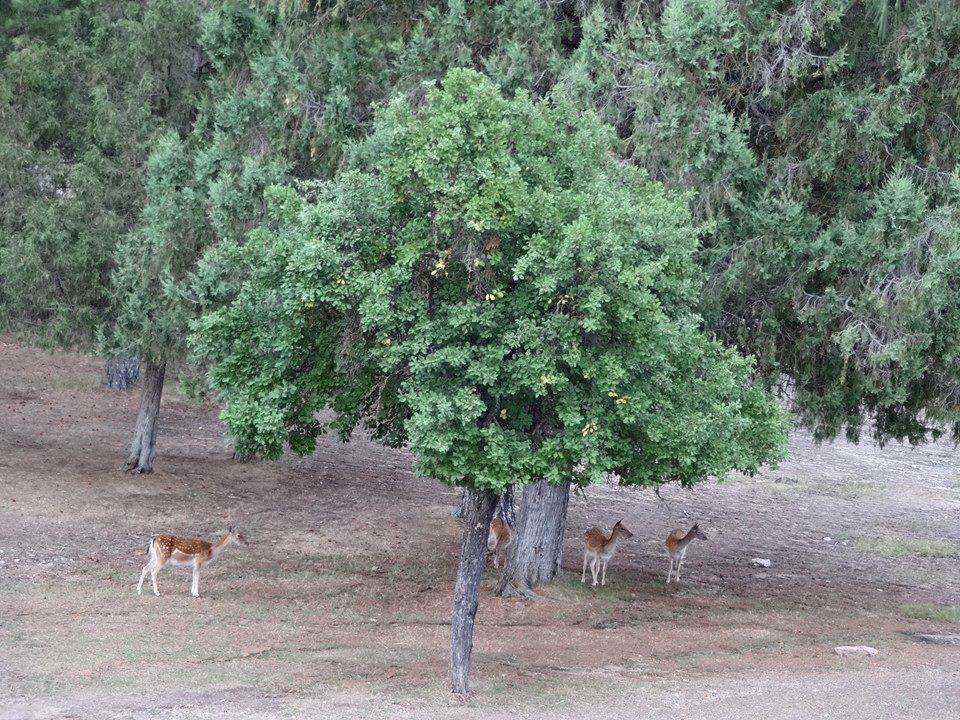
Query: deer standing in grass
pixel 600 548
pixel 184 551
pixel 499 539
pixel 677 542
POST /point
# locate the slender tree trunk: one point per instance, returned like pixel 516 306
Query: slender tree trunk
pixel 538 542
pixel 141 455
pixel 473 554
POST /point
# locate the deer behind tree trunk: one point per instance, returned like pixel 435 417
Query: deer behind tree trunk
pixel 538 539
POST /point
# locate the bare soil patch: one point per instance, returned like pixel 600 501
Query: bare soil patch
pixel 340 605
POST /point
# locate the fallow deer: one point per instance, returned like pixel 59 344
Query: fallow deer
pixel 600 548
pixel 499 539
pixel 184 551
pixel 677 542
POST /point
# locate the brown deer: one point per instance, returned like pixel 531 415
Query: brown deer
pixel 499 539
pixel 600 548
pixel 184 551
pixel 677 542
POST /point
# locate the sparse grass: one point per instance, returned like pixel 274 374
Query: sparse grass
pixel 891 546
pixel 567 586
pixel 84 382
pixel 844 489
pixel 937 613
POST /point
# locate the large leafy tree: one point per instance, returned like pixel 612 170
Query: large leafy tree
pixel 786 121
pixel 489 284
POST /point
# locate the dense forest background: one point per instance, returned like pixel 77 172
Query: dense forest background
pixel 817 141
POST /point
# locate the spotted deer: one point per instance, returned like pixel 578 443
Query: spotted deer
pixel 184 551
pixel 600 548
pixel 677 542
pixel 498 541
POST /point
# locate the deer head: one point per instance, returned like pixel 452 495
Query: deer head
pixel 236 536
pixel 697 532
pixel 620 530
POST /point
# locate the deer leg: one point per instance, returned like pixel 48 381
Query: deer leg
pixel 594 567
pixel 143 575
pixel 158 563
pixel 195 589
pixel 153 578
pixel 583 575
pixel 670 571
pixel 679 565
pixel 604 580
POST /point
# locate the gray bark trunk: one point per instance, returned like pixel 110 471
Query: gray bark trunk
pixel 505 510
pixel 537 548
pixel 141 455
pixel 122 372
pixel 473 554
pixel 460 511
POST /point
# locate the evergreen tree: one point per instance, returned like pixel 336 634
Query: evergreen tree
pixel 151 280
pixel 85 90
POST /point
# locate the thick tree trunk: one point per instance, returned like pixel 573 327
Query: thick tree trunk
pixel 122 372
pixel 140 459
pixel 473 554
pixel 460 511
pixel 538 540
pixel 505 509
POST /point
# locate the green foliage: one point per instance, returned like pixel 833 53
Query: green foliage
pixel 84 88
pixel 490 284
pixel 817 139
pixel 825 171
pixel 154 262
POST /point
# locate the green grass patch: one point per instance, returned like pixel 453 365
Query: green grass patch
pixel 900 547
pixel 937 613
pixel 567 586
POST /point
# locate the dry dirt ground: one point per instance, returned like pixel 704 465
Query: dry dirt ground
pixel 338 607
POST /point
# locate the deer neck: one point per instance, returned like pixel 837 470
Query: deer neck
pixel 611 544
pixel 686 539
pixel 219 545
